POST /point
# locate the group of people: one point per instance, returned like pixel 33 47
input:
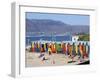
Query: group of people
pixel 72 49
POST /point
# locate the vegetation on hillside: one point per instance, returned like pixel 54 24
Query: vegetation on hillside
pixel 84 37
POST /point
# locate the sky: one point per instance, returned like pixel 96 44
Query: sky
pixel 71 19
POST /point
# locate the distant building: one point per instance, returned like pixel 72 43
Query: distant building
pixel 75 38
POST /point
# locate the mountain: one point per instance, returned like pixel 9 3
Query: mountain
pixel 50 26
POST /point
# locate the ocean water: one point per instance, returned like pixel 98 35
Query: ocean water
pixel 47 38
pixel 66 39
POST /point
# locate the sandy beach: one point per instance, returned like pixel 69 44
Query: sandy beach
pixel 33 60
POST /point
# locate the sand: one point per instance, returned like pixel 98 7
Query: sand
pixel 32 60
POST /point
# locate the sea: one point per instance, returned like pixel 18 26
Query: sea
pixel 30 39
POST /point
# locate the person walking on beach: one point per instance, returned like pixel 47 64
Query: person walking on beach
pixel 51 55
pixel 43 58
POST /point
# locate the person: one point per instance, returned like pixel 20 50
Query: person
pixel 52 60
pixel 43 57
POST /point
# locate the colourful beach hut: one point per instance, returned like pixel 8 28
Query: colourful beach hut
pixel 58 48
pixel 42 48
pixel 32 47
pixel 64 48
pixel 53 48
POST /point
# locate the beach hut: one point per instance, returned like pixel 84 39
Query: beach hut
pixel 87 49
pixel 53 48
pixel 46 44
pixel 32 47
pixel 42 48
pixel 76 49
pixel 64 48
pixel 68 48
pixel 81 50
pixel 75 38
pixel 37 47
pixel 49 49
pixel 85 54
pixel 73 49
pixel 58 48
